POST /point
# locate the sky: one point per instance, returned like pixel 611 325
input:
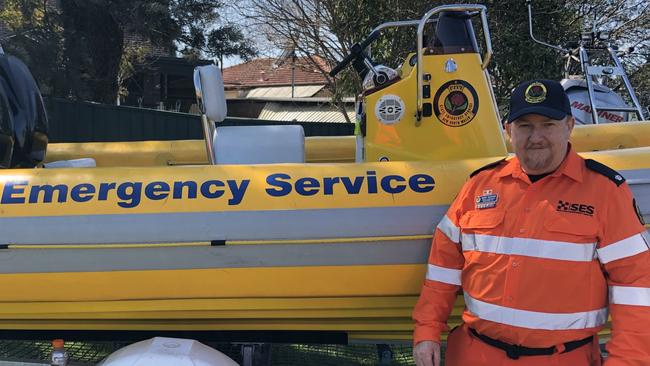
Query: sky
pixel 232 13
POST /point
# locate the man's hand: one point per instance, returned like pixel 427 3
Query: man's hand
pixel 427 353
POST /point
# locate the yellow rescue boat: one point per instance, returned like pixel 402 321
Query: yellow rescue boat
pixel 260 229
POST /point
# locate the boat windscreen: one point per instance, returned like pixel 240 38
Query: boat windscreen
pixel 453 34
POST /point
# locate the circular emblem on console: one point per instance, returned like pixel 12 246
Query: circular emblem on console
pixel 456 103
pixel 535 93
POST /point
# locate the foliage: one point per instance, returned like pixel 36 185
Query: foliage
pixel 516 57
pixel 35 36
pixel 85 49
pixel 200 35
pixel 81 48
pixel 640 78
pixel 94 42
pixel 134 55
pixel 229 40
pixel 628 22
pixel 329 28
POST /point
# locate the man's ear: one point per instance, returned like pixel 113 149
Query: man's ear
pixel 508 127
pixel 571 122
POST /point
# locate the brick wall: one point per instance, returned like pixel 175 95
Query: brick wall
pixel 133 38
pixel 3 30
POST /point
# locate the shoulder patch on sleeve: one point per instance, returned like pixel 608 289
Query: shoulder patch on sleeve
pixel 603 169
pixel 487 167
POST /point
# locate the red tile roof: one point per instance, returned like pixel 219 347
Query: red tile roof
pixel 272 72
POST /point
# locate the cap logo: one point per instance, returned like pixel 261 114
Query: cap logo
pixel 535 93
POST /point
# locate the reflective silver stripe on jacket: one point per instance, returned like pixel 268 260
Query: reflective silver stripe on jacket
pixel 536 248
pixel 627 247
pixel 442 274
pixel 623 295
pixel 533 319
pixel 448 228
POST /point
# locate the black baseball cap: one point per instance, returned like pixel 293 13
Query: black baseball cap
pixel 545 97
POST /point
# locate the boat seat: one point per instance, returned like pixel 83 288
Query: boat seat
pixel 74 163
pixel 259 144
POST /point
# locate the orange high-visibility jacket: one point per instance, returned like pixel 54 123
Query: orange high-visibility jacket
pixel 540 264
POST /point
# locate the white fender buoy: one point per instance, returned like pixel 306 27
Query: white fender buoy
pixel 161 351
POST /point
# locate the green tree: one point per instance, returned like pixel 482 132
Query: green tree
pixel 227 41
pixel 94 43
pixel 628 23
pixel 516 56
pixel 134 55
pixel 640 78
pixel 328 28
pixel 95 33
pixel 35 36
pixel 77 48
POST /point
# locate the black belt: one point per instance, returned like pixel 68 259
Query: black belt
pixel 514 351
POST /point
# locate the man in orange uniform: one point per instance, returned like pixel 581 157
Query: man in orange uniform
pixel 543 245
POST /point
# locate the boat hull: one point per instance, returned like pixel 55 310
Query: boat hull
pixel 353 271
pixel 356 300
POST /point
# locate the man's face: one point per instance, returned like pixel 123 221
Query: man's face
pixel 539 142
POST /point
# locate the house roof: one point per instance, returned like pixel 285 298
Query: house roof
pixel 284 91
pixel 272 71
pixel 311 112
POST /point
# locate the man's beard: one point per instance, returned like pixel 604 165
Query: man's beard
pixel 537 159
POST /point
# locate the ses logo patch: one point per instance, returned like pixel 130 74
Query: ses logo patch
pixel 579 208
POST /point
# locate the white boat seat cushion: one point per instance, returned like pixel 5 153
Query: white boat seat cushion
pixel 75 163
pixel 259 144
